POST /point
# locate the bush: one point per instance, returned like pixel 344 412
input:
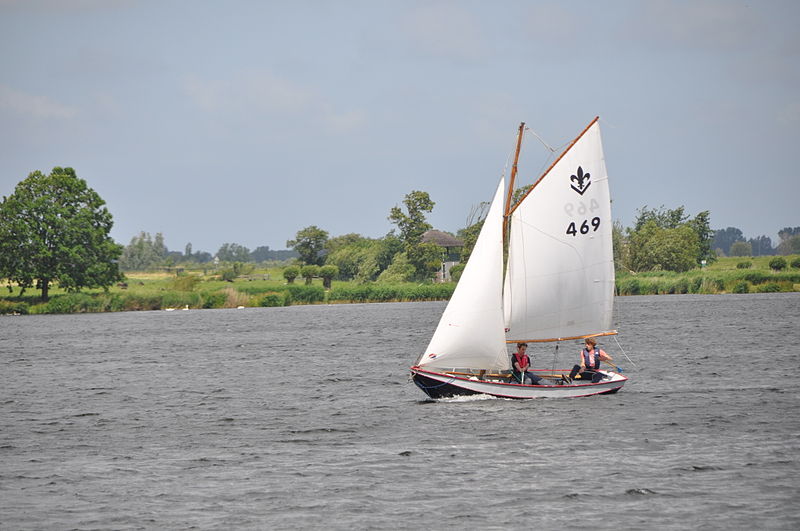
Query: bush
pixel 796 263
pixel 72 303
pixel 228 275
pixel 184 282
pixel 756 277
pixel 9 308
pixel 214 300
pixel 772 287
pixel 273 300
pixel 741 287
pixel 351 293
pixel 134 302
pixel 744 265
pixel 708 286
pixel 455 272
pixel 179 299
pixel 697 282
pixel 778 263
pixel 630 286
pixel 682 286
pixel 305 294
pixel 389 292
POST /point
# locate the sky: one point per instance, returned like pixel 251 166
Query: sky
pixel 246 121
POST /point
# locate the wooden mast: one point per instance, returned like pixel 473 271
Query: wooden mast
pixel 510 192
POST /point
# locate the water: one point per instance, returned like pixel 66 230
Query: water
pixel 303 417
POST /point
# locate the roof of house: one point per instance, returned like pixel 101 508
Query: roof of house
pixel 442 239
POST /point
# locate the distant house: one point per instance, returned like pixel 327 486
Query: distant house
pixel 452 246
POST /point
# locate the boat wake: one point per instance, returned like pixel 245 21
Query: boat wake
pixel 470 398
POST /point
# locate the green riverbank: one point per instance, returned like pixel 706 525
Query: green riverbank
pixel 162 291
pixel 726 275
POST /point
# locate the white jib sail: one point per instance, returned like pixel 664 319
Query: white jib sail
pixel 560 271
pixel 470 333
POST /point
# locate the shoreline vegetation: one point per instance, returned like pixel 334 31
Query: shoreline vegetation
pixel 189 289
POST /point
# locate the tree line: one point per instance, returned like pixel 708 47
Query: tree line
pixel 731 242
pixel 147 252
pixel 54 228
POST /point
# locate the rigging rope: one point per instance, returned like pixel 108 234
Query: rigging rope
pixel 623 352
pixel 545 144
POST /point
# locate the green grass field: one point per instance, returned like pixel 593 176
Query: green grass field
pixel 267 287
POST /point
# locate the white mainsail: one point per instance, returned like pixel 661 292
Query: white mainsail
pixel 470 333
pixel 560 272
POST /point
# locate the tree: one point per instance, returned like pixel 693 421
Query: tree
pixel 761 246
pixel 54 228
pixel 143 252
pixel 412 224
pixel 469 235
pixel 741 249
pixel 620 246
pixel 790 240
pixel 233 252
pixel 202 257
pixel 187 252
pixel 328 273
pixel 670 219
pixel 309 243
pixel 790 245
pixel 290 273
pixel 426 258
pixel 666 219
pixel 260 254
pixel 655 248
pixel 701 225
pixel 309 272
pixel 400 270
pixel 338 242
pixel 724 238
pixel 362 259
pixel 350 257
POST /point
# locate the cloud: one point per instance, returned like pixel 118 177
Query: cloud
pixel 262 94
pixel 446 30
pixel 63 6
pixel 790 114
pixel 711 25
pixel 33 105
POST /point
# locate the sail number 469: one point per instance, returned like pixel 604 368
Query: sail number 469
pixel 585 227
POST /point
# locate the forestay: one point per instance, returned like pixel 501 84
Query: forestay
pixel 470 332
pixel 560 272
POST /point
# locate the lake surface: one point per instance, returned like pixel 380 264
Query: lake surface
pixel 303 417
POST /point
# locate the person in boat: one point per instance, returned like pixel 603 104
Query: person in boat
pixel 591 356
pixel 520 363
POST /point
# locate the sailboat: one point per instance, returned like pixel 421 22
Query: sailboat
pixel 556 285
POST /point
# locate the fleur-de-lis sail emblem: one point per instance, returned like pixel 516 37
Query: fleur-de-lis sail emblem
pixel 582 181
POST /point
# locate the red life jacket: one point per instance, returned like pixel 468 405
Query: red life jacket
pixel 519 358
